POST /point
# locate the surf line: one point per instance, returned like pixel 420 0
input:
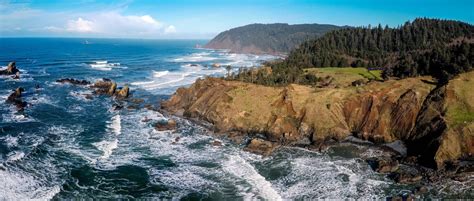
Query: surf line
pixel 107 146
pixel 239 167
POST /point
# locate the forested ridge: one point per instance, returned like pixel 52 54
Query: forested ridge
pixel 422 47
pixel 440 48
pixel 268 38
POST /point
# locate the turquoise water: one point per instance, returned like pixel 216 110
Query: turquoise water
pixel 66 146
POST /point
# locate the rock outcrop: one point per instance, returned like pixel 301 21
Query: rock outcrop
pixel 123 93
pixel 108 87
pixel 15 98
pixel 436 123
pixel 73 81
pixel 165 125
pixel 10 70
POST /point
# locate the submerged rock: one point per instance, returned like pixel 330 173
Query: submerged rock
pixel 16 76
pixel 88 96
pixel 11 69
pixel 216 143
pixel 383 165
pixel 165 125
pixel 260 146
pixel 405 177
pixel 116 107
pixel 73 81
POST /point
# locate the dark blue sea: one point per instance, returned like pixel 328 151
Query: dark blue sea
pixel 65 146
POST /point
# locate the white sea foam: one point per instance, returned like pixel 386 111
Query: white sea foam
pixel 11 141
pixel 22 186
pixel 199 65
pixel 14 117
pixel 185 76
pixel 160 73
pixel 104 65
pixel 196 57
pixel 107 146
pixel 320 177
pixel 260 186
pixel 101 62
pixel 116 124
pixel 14 156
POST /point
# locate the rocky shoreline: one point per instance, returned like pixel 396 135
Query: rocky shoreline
pixel 412 123
pixel 414 112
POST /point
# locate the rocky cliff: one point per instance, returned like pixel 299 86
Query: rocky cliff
pixel 435 123
pixel 267 38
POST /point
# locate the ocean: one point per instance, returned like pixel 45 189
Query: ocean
pixel 65 146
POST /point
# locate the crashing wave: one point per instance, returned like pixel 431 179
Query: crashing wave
pixel 103 65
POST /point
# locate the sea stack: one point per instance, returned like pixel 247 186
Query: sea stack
pixel 11 69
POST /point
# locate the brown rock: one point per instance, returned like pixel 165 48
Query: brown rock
pixel 216 143
pixel 421 190
pixel 405 178
pixel 112 88
pixel 132 107
pixel 11 69
pixel 384 165
pixel 89 96
pixel 123 93
pixel 104 87
pixel 261 147
pixel 15 98
pixel 103 84
pixel 150 107
pixel 165 125
pixel 137 100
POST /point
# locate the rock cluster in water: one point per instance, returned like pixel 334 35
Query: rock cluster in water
pixel 10 70
pixel 73 81
pixel 15 98
pixel 108 87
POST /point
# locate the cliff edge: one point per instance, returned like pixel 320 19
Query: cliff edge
pixel 435 123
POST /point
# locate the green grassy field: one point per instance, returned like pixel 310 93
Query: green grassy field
pixel 346 76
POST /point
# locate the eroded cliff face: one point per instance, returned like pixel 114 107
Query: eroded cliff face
pixel 425 117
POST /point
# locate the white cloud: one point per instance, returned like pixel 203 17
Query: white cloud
pixel 106 23
pixel 148 19
pixel 170 29
pixel 80 25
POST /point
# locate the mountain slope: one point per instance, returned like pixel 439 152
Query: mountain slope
pixel 268 38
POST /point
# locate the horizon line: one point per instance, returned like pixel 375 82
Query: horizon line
pixel 125 38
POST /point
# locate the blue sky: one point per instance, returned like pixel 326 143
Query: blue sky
pixel 206 18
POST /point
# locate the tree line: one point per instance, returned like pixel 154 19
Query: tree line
pixel 441 48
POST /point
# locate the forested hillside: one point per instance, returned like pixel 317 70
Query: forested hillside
pixel 424 46
pixel 268 38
